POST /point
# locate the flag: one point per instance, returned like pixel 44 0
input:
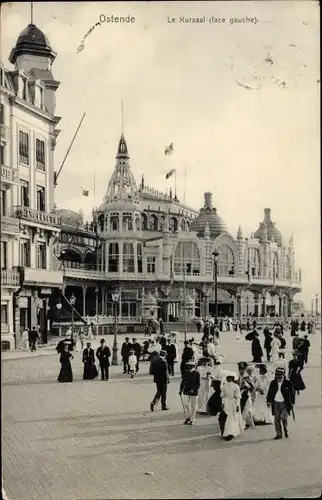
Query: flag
pixel 169 149
pixel 172 171
pixel 85 192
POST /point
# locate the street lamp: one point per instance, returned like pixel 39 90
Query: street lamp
pixel 115 299
pixel 72 301
pixel 215 271
pixel 96 308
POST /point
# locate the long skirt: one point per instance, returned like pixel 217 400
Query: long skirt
pixel 65 374
pixel 247 413
pixel 261 412
pixel 232 426
pixel 298 382
pixel 203 396
pixel 90 371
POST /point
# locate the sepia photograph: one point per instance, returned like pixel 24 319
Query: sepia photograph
pixel 160 231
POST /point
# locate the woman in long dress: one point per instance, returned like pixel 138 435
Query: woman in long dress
pixel 294 374
pixel 261 413
pixel 275 346
pixel 65 374
pixel 231 396
pixel 204 370
pixel 25 340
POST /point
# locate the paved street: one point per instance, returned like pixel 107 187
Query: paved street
pixel 97 440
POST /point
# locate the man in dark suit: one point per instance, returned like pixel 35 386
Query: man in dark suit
pixel 171 355
pixel 33 338
pixel 103 354
pixel 161 378
pixel 125 352
pixel 137 351
pixel 281 398
pixel 90 370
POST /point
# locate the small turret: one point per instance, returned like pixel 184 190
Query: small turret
pixel 207 231
pixel 239 233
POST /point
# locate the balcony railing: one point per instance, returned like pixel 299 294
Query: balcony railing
pixel 30 214
pixel 8 175
pixel 9 225
pixel 109 320
pixel 43 277
pixel 10 277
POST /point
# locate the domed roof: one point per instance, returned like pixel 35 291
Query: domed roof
pixel 70 218
pixel 208 215
pixel 31 41
pixel 120 206
pixel 273 234
pixel 149 300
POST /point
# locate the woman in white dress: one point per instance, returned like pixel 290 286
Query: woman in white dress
pixel 231 396
pixel 90 335
pixel 204 370
pixel 25 340
pixel 275 345
pixel 261 413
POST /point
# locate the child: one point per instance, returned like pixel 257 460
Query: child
pixel 132 363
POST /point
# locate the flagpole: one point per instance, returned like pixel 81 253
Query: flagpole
pixel 175 184
pixel 184 294
pixel 184 186
pixel 94 186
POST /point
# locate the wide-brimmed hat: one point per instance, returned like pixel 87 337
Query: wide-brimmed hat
pixel 280 369
pixel 191 363
pixel 102 341
pixel 242 364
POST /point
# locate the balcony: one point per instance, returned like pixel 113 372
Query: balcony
pixel 110 320
pixel 37 216
pixel 8 175
pixel 43 278
pixel 9 225
pixel 10 278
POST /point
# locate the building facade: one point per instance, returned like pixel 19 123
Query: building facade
pixel 29 225
pixel 158 254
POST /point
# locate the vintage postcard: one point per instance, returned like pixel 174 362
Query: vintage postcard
pixel 160 231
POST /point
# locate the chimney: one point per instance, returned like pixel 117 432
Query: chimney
pixel 208 200
pixel 267 214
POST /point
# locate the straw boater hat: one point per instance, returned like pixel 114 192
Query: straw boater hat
pixel 191 363
pixel 280 369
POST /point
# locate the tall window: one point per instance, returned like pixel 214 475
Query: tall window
pixel 225 261
pixel 2 154
pixel 41 205
pixel 127 222
pixel 41 95
pixel 187 259
pixel 24 193
pixel 2 113
pixel 40 155
pixel 113 258
pixel 139 255
pixel 24 88
pixel 128 258
pixel 3 206
pixel 24 148
pixel 25 253
pixel 144 222
pixel 114 222
pixel 4 314
pixel 274 261
pixel 41 256
pixel 173 225
pixel 287 268
pixel 4 254
pixel 153 222
pixel 151 264
pixel 253 262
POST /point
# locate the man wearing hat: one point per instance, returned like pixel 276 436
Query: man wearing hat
pixel 125 352
pixel 280 398
pixel 103 354
pixel 189 386
pixel 171 355
pixel 90 370
pixel 160 374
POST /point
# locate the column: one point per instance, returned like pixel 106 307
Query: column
pixel 290 307
pixel 33 309
pixel 84 288
pixel 206 304
pixel 17 331
pixel 264 311
pixel 238 304
pixel 280 305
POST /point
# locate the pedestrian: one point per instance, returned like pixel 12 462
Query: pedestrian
pixel 161 326
pixel 204 369
pixel 90 371
pixel 162 341
pixel 132 363
pixel 82 338
pixel 171 355
pixel 161 379
pixel 90 335
pixel 303 350
pixel 187 355
pixel 246 388
pixel 261 413
pixel 257 351
pixel 295 367
pixel 154 351
pixel 275 346
pixel 268 343
pixel 231 397
pixel 136 346
pixel 65 374
pixel 280 398
pixel 280 362
pixel 103 355
pixel 125 352
pixel 25 340
pixel 33 338
pixel 188 391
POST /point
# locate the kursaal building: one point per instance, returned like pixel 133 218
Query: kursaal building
pixel 156 252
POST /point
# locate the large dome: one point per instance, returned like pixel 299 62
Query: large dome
pixel 273 234
pixel 208 215
pixel 31 41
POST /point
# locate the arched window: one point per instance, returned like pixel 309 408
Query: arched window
pixel 127 224
pixel 252 262
pixel 274 260
pixel 71 258
pixel 101 222
pixel 183 225
pixel 139 255
pixel 113 258
pixel 138 223
pixel 173 225
pixel 187 259
pixel 144 222
pixel 114 222
pixel 161 223
pixel 90 260
pixel 153 222
pixel 226 261
pixel 128 258
pixel 287 268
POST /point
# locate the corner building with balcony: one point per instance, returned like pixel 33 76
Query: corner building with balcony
pixel 29 225
pixel 150 247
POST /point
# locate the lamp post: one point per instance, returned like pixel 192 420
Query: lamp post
pixel 115 299
pixel 59 306
pixel 72 301
pixel 316 305
pixel 96 308
pixel 215 270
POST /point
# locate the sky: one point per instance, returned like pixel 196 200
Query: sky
pixel 239 101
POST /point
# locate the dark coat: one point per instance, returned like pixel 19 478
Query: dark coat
pixel 163 343
pixel 295 376
pixel 268 342
pixel 187 354
pixel 65 374
pixel 160 371
pixel 90 370
pixel 137 349
pixel 103 355
pixel 257 351
pixel 125 351
pixel 287 393
pixel 190 383
pixel 171 352
pixel 34 335
pixel 304 346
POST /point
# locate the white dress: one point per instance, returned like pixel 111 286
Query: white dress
pixel 261 412
pixel 247 413
pixel 275 348
pixel 205 381
pixel 24 341
pixel 230 394
pixel 132 362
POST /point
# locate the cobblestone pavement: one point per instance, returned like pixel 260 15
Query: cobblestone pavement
pixel 97 440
